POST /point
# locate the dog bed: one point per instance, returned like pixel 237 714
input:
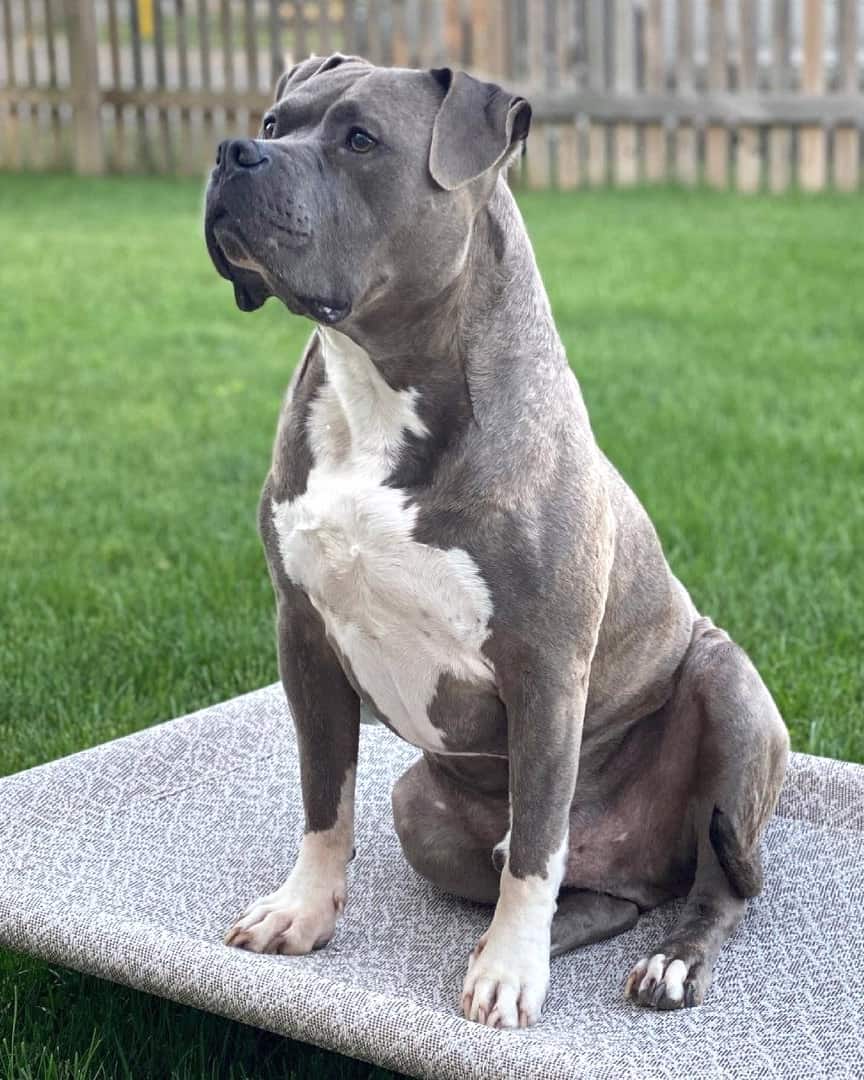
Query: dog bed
pixel 128 861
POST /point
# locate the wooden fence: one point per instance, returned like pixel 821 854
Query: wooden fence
pixel 759 94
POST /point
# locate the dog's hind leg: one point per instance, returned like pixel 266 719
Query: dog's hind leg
pixel 742 757
pixel 448 829
pixel 583 917
pixel 448 833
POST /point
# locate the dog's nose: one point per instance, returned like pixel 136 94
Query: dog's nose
pixel 239 154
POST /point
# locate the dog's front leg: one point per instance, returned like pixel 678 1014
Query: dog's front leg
pixel 301 915
pixel 508 972
pixel 544 688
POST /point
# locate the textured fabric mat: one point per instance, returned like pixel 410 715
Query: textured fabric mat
pixel 131 859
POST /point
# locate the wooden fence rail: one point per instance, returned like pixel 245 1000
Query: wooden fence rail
pixel 759 94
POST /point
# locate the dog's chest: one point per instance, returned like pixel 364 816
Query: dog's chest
pixel 402 614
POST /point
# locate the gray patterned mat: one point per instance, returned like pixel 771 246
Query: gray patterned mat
pixel 129 860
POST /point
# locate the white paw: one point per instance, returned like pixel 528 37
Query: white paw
pixel 506 982
pixel 662 982
pixel 292 920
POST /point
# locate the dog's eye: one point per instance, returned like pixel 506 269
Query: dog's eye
pixel 268 128
pixel 360 141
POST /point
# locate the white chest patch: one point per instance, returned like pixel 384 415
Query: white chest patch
pixel 401 612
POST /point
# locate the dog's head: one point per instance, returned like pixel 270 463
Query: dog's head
pixel 364 181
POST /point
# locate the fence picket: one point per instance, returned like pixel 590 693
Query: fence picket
pixel 518 63
pixel 553 33
pixel 847 140
pixel 250 34
pixel 625 167
pixel 208 137
pixel 166 143
pixel 538 172
pixel 422 50
pixel 564 41
pixel 349 26
pixel 34 148
pixel 568 148
pixel 51 52
pixel 120 161
pixel 227 56
pixel 686 151
pixel 29 41
pixel 780 137
pixel 401 52
pixel 748 158
pixel 812 157
pixel 478 53
pixel 495 49
pixel 84 57
pixel 189 155
pixel 559 52
pixel 598 164
pixel 301 46
pixel 142 142
pixel 325 28
pixel 569 156
pixel 374 33
pixel 274 30
pixel 717 135
pixel 226 35
pixel 655 83
pixel 11 124
pixel 31 111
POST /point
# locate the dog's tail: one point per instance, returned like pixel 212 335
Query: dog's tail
pixel 741 863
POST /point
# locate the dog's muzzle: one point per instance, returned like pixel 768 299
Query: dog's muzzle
pixel 230 201
pixel 255 226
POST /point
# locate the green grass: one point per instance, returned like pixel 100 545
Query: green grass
pixel 719 344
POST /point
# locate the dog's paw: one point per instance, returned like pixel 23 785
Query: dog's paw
pixel 506 982
pixel 291 921
pixel 665 981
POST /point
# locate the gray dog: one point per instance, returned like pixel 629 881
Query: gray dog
pixel 448 545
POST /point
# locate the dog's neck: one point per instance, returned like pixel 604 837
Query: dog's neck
pixel 486 325
pixel 495 306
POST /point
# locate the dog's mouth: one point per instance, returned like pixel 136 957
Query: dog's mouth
pixel 254 283
pixel 212 219
pixel 228 241
pixel 229 255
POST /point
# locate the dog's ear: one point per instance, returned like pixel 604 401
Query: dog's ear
pixel 314 65
pixel 479 126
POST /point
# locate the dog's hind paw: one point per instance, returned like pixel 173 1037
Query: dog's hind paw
pixel 665 982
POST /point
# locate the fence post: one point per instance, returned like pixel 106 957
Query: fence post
pixel 84 64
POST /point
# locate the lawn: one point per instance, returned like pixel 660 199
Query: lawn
pixel 719 344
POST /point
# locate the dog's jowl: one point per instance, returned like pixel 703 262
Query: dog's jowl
pixel 448 545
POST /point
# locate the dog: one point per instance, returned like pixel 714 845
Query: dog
pixel 449 546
